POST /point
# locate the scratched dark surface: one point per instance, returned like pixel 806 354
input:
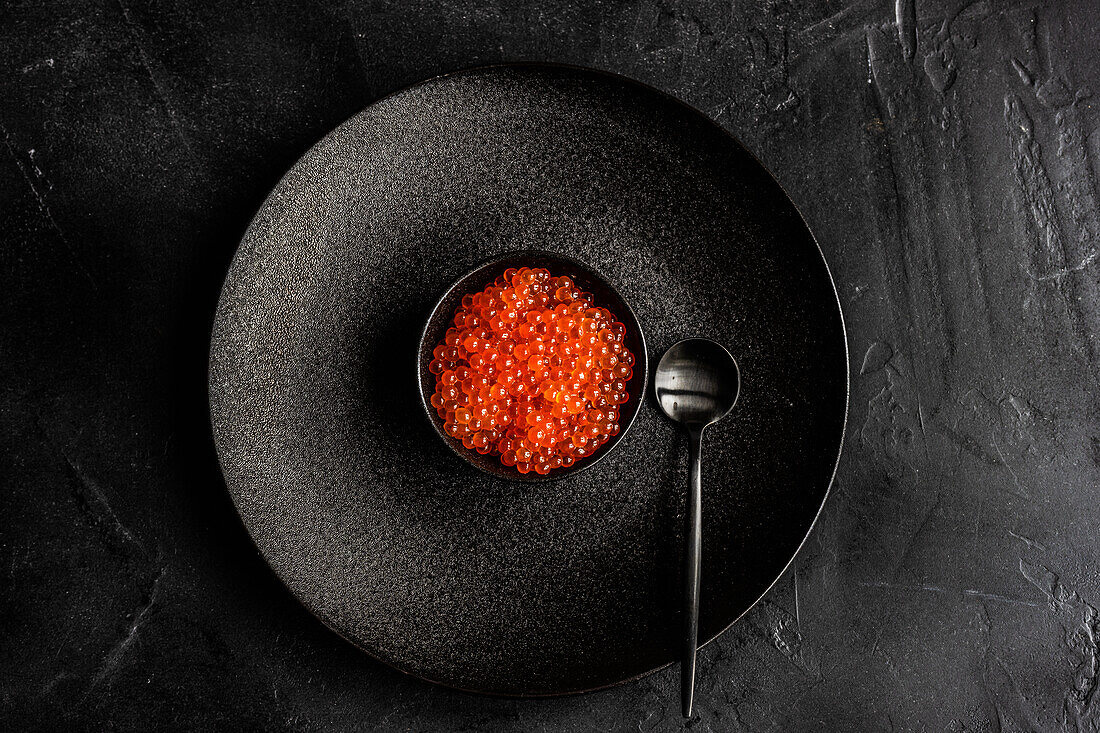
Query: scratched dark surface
pixel 945 154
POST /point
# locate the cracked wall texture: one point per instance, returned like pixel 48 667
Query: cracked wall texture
pixel 944 153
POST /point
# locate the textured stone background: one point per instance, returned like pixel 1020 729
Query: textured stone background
pixel 945 154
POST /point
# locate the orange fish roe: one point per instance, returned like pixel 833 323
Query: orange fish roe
pixel 532 371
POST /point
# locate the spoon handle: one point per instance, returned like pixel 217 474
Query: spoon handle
pixel 693 544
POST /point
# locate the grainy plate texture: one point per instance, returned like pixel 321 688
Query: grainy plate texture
pixel 396 543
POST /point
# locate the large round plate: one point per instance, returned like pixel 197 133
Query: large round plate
pixel 396 543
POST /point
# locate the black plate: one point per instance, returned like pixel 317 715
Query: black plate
pixel 588 280
pixel 398 544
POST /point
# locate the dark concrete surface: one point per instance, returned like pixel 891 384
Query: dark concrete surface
pixel 945 154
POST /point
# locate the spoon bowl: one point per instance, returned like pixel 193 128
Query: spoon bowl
pixel 697 382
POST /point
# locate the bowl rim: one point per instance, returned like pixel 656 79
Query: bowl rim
pixel 629 318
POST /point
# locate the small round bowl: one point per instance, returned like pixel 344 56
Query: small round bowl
pixel 587 279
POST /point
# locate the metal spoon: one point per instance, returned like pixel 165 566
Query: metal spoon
pixel 697 382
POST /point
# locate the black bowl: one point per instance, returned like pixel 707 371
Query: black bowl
pixel 604 294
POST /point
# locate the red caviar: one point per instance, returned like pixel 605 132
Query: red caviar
pixel 532 371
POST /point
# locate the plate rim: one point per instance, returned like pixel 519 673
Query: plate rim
pixel 625 81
